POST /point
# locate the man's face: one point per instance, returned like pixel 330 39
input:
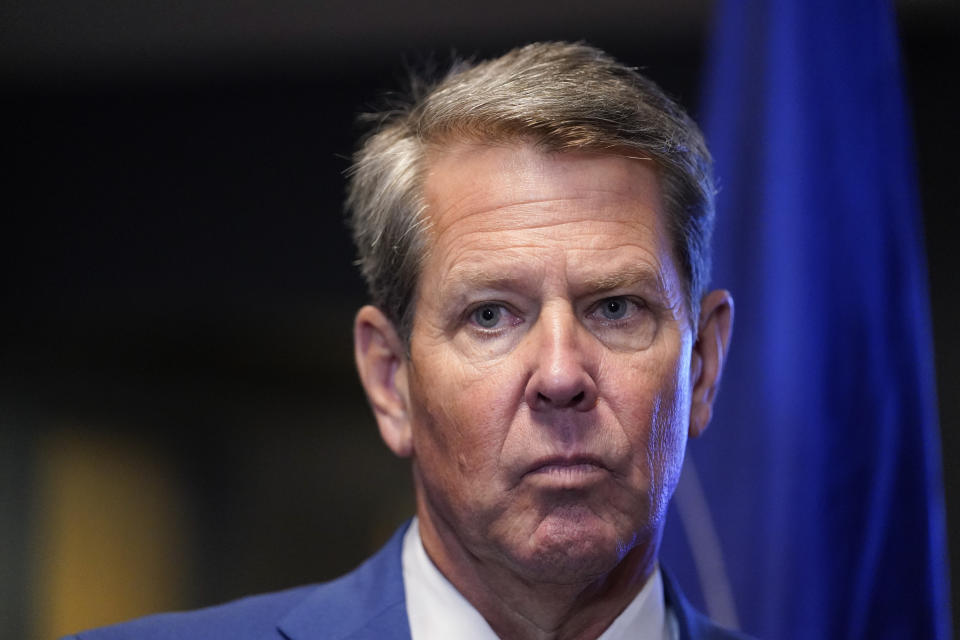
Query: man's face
pixel 548 382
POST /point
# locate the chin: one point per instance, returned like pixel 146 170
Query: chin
pixel 574 546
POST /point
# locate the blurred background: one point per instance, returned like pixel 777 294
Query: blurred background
pixel 180 423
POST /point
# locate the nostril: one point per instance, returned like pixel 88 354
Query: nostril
pixel 545 401
pixel 548 401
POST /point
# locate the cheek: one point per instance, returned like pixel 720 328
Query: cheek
pixel 668 438
pixel 460 420
pixel 668 441
pixel 652 404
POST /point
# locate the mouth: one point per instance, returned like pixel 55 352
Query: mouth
pixel 567 471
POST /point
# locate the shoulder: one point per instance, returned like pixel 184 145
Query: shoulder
pixel 251 617
pixel 693 624
pixel 359 604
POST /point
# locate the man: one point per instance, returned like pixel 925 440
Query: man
pixel 534 231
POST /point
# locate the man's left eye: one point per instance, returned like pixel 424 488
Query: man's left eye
pixel 488 316
pixel 615 308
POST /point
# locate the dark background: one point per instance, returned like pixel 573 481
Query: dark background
pixel 176 265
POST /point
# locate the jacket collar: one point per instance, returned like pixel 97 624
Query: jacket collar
pixel 692 624
pixel 366 603
pixel 370 603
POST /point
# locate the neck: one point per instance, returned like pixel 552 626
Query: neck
pixel 516 606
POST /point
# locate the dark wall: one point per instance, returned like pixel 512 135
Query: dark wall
pixel 929 51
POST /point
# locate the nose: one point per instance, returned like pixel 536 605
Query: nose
pixel 561 376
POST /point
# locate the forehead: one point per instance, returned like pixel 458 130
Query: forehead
pixel 485 197
pixel 465 179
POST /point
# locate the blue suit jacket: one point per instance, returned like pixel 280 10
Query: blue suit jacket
pixel 367 603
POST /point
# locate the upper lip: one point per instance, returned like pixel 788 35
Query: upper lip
pixel 565 461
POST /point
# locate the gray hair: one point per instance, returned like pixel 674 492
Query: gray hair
pixel 558 96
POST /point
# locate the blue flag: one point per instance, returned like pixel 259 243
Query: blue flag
pixel 812 508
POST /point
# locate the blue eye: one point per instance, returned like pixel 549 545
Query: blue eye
pixel 487 316
pixel 614 308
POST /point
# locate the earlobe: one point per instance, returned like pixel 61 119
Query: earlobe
pixel 709 356
pixel 381 363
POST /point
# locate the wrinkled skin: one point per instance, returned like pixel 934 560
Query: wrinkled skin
pixel 553 377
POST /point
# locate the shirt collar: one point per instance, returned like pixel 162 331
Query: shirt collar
pixel 437 610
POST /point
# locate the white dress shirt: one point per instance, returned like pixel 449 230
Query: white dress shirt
pixel 437 611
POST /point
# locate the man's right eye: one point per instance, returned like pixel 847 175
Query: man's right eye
pixel 487 316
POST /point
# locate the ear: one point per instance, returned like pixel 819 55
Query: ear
pixel 381 362
pixel 709 356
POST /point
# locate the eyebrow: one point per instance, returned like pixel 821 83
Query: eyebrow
pixel 473 278
pixel 626 276
pixel 476 277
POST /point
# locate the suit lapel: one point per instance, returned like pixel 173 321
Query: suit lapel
pixel 692 624
pixel 369 603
